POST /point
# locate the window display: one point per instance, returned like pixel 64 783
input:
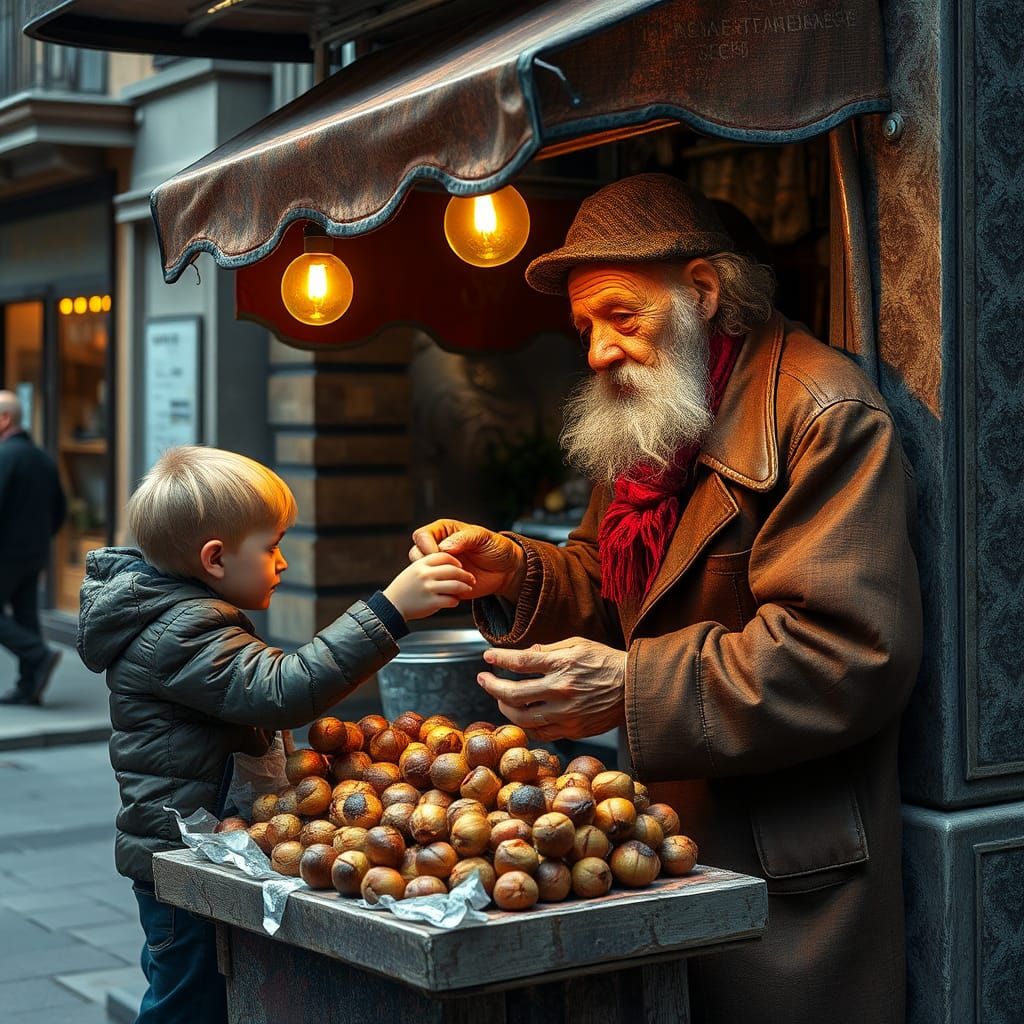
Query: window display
pixel 81 444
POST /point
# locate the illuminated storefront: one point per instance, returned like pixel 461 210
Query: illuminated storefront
pixel 58 356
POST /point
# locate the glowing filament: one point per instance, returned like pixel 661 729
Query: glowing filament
pixel 485 217
pixel 316 282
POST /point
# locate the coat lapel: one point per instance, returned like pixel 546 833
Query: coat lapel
pixel 742 447
pixel 710 508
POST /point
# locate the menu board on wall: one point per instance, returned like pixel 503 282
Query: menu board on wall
pixel 172 371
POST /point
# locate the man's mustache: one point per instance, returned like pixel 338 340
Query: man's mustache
pixel 632 377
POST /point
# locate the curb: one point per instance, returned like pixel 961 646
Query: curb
pixel 56 738
pixel 122 1006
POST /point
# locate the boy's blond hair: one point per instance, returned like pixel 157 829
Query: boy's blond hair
pixel 194 494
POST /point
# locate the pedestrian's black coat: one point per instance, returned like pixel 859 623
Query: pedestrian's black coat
pixel 32 505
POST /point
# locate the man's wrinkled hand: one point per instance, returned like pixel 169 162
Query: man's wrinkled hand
pixel 580 690
pixel 497 563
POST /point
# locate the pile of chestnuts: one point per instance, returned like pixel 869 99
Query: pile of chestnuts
pixel 412 807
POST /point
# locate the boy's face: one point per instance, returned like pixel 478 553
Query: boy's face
pixel 252 571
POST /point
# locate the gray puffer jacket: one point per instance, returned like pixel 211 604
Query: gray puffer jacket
pixel 190 684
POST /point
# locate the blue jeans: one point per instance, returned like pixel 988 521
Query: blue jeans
pixel 179 960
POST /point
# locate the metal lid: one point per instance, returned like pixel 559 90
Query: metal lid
pixel 438 645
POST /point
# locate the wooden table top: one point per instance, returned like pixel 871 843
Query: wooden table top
pixel 707 909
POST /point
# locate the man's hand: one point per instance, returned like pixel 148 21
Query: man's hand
pixel 580 691
pixel 497 563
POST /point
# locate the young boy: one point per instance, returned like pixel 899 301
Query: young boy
pixel 191 683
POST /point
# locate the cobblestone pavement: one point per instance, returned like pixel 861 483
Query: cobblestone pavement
pixel 69 929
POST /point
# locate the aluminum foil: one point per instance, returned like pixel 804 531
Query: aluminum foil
pixel 237 850
pixel 463 905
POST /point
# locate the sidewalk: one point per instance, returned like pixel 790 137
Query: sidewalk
pixel 68 922
pixel 74 707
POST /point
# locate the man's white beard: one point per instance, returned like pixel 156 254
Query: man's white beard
pixel 636 414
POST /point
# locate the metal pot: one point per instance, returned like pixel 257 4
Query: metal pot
pixel 435 673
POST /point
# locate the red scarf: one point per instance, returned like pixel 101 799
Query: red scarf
pixel 638 526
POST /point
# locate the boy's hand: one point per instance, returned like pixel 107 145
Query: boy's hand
pixel 497 562
pixel 433 582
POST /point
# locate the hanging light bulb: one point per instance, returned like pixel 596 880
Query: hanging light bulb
pixel 317 287
pixel 487 231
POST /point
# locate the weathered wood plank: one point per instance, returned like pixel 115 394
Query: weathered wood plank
pixel 666 993
pixel 364 938
pixel 708 908
pixel 268 982
pixel 536 1004
pixel 592 1000
pixel 223 934
pixel 272 983
pixel 480 1009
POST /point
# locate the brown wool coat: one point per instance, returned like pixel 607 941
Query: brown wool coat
pixel 767 669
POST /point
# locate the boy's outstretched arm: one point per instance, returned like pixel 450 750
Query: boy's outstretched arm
pixel 220 669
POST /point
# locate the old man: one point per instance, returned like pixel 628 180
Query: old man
pixel 741 595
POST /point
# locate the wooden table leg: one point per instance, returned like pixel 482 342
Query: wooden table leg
pixel 652 994
pixel 274 983
pixel 479 1009
pixel 666 993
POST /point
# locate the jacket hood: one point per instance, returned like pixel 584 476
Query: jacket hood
pixel 121 595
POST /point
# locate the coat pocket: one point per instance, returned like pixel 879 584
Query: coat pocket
pixel 807 827
pixel 730 588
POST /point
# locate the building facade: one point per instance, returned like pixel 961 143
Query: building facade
pixel 84 136
pixel 945 208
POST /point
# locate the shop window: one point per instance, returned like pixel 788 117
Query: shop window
pixel 83 323
pixel 23 361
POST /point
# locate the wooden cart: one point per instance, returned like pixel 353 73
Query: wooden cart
pixel 620 958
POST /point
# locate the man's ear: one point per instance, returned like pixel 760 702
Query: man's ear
pixel 211 557
pixel 702 275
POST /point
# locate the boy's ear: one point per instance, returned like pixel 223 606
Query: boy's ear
pixel 211 557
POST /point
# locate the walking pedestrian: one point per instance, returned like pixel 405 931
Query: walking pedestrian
pixel 32 508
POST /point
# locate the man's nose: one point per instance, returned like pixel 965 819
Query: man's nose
pixel 282 564
pixel 605 350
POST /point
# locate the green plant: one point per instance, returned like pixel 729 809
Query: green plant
pixel 519 471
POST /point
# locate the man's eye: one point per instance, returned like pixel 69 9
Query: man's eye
pixel 623 319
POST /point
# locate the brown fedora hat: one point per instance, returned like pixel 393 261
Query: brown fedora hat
pixel 643 218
